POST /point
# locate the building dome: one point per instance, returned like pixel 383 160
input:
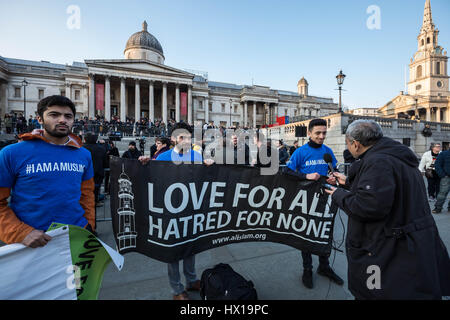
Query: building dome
pixel 303 81
pixel 302 87
pixel 143 45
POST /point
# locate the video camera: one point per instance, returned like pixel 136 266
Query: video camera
pixel 142 142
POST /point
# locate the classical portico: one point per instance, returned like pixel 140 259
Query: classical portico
pixel 139 88
pixel 263 97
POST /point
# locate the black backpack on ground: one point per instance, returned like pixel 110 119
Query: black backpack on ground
pixel 223 283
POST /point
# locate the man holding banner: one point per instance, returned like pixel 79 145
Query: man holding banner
pixel 181 153
pixel 308 161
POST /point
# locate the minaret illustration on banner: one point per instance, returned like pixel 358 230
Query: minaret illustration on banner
pixel 127 227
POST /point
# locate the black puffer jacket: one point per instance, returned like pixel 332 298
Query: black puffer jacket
pixel 390 226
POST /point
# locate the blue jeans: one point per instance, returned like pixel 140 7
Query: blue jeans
pixel 307 261
pixel 444 188
pixel 174 274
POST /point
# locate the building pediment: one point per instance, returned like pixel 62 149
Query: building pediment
pixel 137 66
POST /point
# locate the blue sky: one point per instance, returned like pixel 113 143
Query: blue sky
pixel 272 43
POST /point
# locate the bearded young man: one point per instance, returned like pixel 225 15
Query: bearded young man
pixel 49 177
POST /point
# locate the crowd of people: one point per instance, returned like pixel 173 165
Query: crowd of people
pixel 129 127
pixel 17 124
pixel 390 224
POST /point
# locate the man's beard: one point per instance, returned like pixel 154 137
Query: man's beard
pixel 55 133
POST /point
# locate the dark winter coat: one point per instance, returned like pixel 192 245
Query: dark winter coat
pixel 99 160
pixel 111 152
pixel 390 226
pixel 283 155
pixel 442 164
pixel 135 154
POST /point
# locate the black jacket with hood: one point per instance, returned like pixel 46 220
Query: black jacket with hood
pixel 390 226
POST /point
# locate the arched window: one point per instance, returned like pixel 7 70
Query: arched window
pixel 423 42
pixel 419 72
pixel 438 68
pixel 428 40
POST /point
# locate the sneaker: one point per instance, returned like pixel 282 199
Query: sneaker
pixel 431 198
pixel 181 296
pixel 436 211
pixel 307 278
pixel 194 286
pixel 330 274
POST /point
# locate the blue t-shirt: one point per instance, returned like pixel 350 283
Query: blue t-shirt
pixel 190 156
pixel 307 159
pixel 45 181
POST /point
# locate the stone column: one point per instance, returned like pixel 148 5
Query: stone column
pixel 164 103
pixel 85 99
pixel 68 91
pixel 177 103
pixel 190 105
pixel 123 114
pixel 206 106
pixel 137 102
pixel 245 114
pixel 438 114
pixel 91 96
pixel 254 114
pixel 151 102
pixel 428 117
pixel 107 99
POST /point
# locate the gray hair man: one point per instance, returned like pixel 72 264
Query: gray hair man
pixel 394 250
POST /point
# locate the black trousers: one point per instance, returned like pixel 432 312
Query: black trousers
pixel 433 186
pixel 107 181
pixel 307 261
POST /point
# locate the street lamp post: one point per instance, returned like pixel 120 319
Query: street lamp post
pixel 340 80
pixel 24 84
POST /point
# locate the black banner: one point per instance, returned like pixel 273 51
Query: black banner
pixel 170 211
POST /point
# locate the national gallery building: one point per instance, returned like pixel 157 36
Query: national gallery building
pixel 141 85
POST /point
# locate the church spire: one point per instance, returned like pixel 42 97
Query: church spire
pixel 427 17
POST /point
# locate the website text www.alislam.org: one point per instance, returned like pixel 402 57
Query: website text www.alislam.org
pixel 239 237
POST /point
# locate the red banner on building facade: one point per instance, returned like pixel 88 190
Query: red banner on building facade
pixel 100 96
pixel 183 103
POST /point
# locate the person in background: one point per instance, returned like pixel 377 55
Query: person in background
pixel 132 152
pixel 442 166
pixel 99 159
pixel 112 152
pixel 282 152
pixel 293 148
pixel 162 145
pixel 426 166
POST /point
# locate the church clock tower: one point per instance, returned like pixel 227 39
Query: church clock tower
pixel 428 69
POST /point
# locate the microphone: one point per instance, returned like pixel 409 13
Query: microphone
pixel 329 160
